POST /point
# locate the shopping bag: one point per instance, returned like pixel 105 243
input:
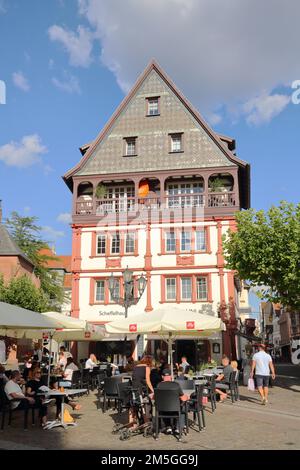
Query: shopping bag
pixel 251 385
pixel 204 400
pixel 67 417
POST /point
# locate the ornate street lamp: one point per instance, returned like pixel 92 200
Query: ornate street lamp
pixel 128 283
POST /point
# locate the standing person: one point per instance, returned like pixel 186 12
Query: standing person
pixel 62 360
pixel 262 364
pixel 184 364
pixel 66 353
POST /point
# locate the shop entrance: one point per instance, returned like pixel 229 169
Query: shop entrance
pixel 196 351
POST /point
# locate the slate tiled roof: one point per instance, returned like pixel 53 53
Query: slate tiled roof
pixel 8 247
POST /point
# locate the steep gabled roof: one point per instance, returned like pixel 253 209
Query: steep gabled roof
pixel 8 246
pixel 88 149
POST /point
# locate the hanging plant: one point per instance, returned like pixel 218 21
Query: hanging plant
pixel 100 191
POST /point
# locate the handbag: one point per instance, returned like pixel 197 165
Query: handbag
pixel 251 385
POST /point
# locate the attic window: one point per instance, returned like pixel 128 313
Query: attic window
pixel 176 143
pixel 130 144
pixel 153 106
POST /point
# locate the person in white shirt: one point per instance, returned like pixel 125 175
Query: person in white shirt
pixel 262 364
pixel 68 373
pixel 91 362
pixel 14 391
pixel 66 353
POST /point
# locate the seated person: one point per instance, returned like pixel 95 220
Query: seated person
pixel 3 376
pixel 68 373
pixel 168 384
pixel 222 380
pixel 91 362
pixel 180 373
pixel 32 388
pixel 155 374
pixel 14 392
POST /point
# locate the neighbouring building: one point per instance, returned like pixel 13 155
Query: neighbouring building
pixel 156 191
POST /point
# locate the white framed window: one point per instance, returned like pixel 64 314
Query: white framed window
pixel 170 288
pixel 101 244
pixel 186 288
pixel 129 242
pixel 116 292
pixel 115 244
pixel 100 290
pixel 185 194
pixel 201 287
pixel 176 142
pixel 117 199
pixel 186 240
pixel 152 106
pixel 170 238
pixel 200 240
pixel 130 146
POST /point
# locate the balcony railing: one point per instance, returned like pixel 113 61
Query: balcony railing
pixel 101 207
pixel 221 199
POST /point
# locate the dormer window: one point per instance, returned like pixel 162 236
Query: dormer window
pixel 176 143
pixel 153 106
pixel 130 146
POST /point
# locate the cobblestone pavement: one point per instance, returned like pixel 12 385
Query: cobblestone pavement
pixel 243 425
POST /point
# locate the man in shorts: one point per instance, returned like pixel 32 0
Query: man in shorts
pixel 262 364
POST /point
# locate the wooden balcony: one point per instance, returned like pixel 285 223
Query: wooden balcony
pixel 210 204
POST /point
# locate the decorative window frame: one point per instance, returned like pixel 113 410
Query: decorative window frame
pixel 170 135
pixel 147 105
pixel 107 301
pixel 178 288
pixel 108 235
pixel 178 231
pixel 125 141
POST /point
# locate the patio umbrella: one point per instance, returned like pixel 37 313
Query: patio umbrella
pixel 168 323
pixel 13 317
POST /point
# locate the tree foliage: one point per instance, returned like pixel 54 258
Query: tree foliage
pixel 27 235
pixel 265 250
pixel 22 292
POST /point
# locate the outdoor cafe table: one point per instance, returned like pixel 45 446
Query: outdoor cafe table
pixel 57 393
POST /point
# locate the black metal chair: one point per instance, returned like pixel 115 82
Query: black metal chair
pixel 76 379
pixel 211 392
pixel 110 391
pixel 124 396
pixel 94 377
pixel 236 386
pixel 6 407
pixel 169 406
pixel 85 380
pixel 195 405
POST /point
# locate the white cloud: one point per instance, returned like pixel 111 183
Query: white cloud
pixel 263 108
pixel 23 154
pixel 2 7
pixel 51 233
pixel 219 53
pixel 64 218
pixel 69 84
pixel 78 45
pixel 20 81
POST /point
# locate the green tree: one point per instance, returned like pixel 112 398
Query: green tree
pixel 22 292
pixel 27 235
pixel 265 250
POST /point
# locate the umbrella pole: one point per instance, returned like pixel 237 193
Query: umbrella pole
pixel 50 356
pixel 170 358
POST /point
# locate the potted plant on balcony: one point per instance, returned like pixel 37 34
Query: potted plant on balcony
pixel 100 192
pixel 217 185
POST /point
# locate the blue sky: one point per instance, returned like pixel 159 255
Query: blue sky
pixel 67 65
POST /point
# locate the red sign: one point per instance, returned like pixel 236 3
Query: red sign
pixel 45 336
pixel 133 327
pixel 190 325
pixel 87 334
